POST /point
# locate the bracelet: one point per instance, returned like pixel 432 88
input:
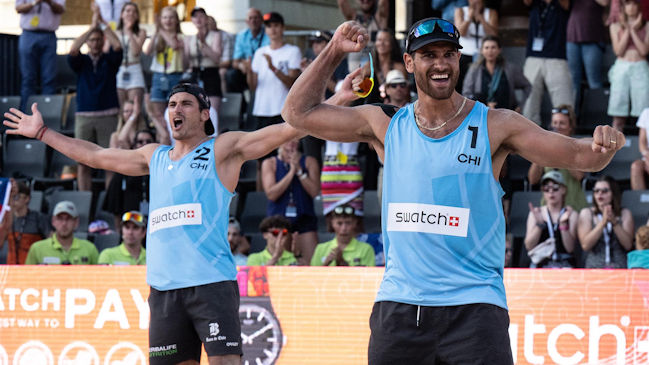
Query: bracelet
pixel 41 132
pixel 563 228
pixel 541 225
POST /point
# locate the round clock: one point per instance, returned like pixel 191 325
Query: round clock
pixel 261 335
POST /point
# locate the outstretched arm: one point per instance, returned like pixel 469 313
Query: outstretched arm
pixel 126 162
pixel 546 148
pixel 305 110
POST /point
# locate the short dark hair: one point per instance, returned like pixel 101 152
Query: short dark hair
pixel 198 10
pixel 23 188
pixel 96 30
pixel 277 221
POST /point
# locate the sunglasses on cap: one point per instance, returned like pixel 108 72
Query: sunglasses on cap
pixel 428 27
pixel 275 232
pixel 131 216
pixel 346 210
pixel 561 110
pixel 367 84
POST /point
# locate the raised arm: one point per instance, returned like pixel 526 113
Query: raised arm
pixel 305 110
pixel 546 148
pixel 126 162
pixel 75 48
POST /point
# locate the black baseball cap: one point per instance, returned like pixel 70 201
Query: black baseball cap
pixel 201 96
pixel 273 17
pixel 432 30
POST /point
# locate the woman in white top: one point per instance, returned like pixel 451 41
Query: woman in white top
pixel 130 79
pixel 167 47
pixel 473 22
pixel 203 55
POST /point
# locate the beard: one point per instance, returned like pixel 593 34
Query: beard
pixel 423 83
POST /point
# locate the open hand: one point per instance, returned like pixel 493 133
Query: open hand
pixel 536 212
pixel 350 37
pixel 23 124
pixel 606 139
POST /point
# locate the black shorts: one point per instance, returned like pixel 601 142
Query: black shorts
pixel 183 319
pixel 465 334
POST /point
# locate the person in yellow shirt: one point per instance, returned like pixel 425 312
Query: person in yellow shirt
pixel 130 252
pixel 344 249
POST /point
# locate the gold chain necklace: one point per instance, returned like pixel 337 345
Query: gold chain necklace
pixel 441 125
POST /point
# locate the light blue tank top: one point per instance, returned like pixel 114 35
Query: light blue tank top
pixel 187 241
pixel 443 223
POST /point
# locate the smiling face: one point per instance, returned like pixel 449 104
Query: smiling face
pixel 561 124
pixel 169 19
pixel 436 67
pixel 185 116
pixel 130 14
pixel 383 42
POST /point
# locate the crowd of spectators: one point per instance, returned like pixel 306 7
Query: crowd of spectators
pixel 565 50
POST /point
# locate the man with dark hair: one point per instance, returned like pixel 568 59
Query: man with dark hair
pixel 21 227
pixel 189 264
pixel 130 251
pixel 279 237
pixel 443 224
pixel 97 104
pixel 273 70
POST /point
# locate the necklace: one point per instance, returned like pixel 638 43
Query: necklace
pixel 441 125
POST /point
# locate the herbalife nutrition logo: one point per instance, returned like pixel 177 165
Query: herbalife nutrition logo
pixel 166 350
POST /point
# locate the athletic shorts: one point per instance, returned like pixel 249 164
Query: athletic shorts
pixel 96 129
pixel 183 319
pixel 465 334
pixel 629 94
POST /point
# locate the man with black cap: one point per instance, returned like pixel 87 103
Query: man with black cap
pixel 272 72
pixel 442 298
pixel 194 296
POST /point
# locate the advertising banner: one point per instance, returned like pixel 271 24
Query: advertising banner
pixel 73 315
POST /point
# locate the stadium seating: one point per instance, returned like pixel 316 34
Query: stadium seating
pixel 371 212
pixel 7 102
pixel 254 210
pixel 518 167
pixel 51 108
pixel 24 157
pixel 104 241
pixel 637 201
pixel 257 241
pixel 520 209
pixel 593 111
pixel 230 112
pixel 36 200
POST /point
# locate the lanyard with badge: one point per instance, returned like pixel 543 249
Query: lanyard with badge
pixel 538 42
pixel 606 233
pixel 36 19
pixel 552 227
pixel 126 76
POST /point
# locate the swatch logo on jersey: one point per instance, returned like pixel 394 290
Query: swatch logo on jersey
pixel 175 215
pixel 428 218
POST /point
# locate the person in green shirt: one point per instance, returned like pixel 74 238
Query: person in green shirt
pixel 130 252
pixel 62 248
pixel 279 240
pixel 344 249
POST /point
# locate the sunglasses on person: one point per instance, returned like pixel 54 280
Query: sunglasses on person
pixel 346 210
pixel 601 190
pixel 367 84
pixel 560 110
pixel 275 232
pixel 400 84
pixel 551 188
pixel 132 216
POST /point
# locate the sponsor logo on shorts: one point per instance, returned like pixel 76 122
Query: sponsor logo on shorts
pixel 175 215
pixel 165 350
pixel 214 329
pixel 231 344
pixel 428 218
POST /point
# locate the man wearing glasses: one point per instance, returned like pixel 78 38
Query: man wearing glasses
pixel 189 264
pixel 397 88
pixel 279 240
pixel 130 251
pixel 442 298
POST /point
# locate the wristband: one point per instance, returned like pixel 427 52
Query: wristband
pixel 563 228
pixel 41 132
pixel 540 225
